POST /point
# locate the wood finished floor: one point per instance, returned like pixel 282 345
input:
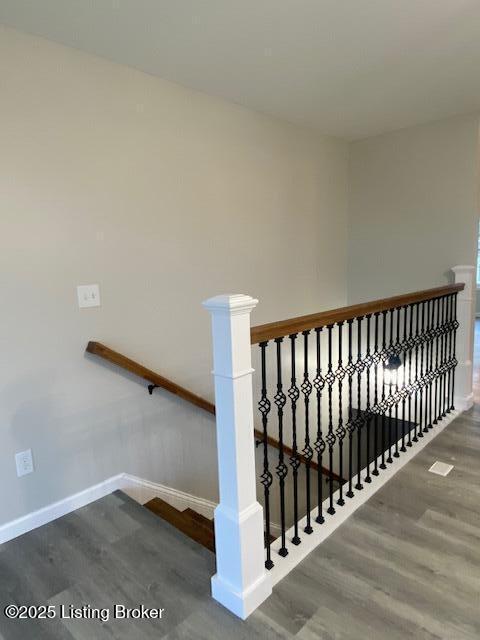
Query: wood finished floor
pixel 405 565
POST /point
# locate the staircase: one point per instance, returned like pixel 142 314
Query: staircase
pixel 189 522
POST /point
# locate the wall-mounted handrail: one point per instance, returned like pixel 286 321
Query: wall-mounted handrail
pixel 264 332
pixel 118 359
pixel 99 349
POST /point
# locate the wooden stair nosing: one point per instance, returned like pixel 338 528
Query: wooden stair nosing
pixel 202 520
pixel 183 522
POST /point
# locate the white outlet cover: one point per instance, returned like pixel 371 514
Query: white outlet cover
pixel 441 468
pixel 24 462
pixel 88 295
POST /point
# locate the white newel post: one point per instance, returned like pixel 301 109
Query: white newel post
pixel 241 583
pixel 463 399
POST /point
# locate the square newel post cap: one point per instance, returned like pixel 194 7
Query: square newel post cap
pixel 465 273
pixel 230 304
pixel 463 268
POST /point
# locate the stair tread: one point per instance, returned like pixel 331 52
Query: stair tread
pixel 202 520
pixel 184 522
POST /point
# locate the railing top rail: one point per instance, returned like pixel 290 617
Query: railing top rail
pixel 264 332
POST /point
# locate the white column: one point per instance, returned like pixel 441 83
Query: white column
pixel 463 399
pixel 241 583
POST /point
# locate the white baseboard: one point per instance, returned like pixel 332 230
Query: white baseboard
pixel 51 512
pixel 143 490
pixel 137 488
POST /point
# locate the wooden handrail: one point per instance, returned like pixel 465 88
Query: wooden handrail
pixel 100 350
pixel 264 332
pixel 122 361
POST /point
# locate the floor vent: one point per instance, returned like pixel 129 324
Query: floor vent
pixel 441 468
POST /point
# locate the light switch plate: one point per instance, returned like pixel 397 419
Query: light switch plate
pixel 88 295
pixel 24 462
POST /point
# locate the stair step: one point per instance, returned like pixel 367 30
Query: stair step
pixel 202 520
pixel 184 522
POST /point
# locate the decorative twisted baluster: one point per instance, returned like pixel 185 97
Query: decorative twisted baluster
pixel 330 380
pixel 431 373
pixel 377 358
pixel 411 344
pixel 368 412
pixel 307 452
pixel 390 399
pixel 444 371
pixel 438 356
pixel 404 388
pixel 396 394
pixel 319 444
pixel 340 431
pixel 426 336
pixel 294 394
pixel 280 400
pixel 383 403
pixel 448 339
pixel 266 477
pixel 422 372
pixel 350 369
pixel 417 340
pixel 444 350
pixel 359 366
pixel 453 358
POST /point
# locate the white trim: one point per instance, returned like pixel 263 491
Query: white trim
pixel 139 489
pixel 42 516
pixel 283 566
pixel 144 490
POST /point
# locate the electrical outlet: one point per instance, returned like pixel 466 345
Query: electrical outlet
pixel 24 462
pixel 88 295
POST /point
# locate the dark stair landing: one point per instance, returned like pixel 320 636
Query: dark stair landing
pixel 189 522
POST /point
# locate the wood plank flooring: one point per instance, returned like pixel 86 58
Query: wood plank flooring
pixel 405 565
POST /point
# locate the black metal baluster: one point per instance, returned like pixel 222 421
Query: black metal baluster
pixel 350 422
pixel 340 431
pixel 359 420
pixel 319 444
pixel 438 362
pixel 376 361
pixel 448 378
pixel 383 403
pixel 294 394
pixel 446 353
pixel 430 373
pixel 307 452
pixel 453 359
pixel 330 379
pixel 390 394
pixel 404 390
pixel 411 343
pixel 416 383
pixel 426 337
pixel 266 477
pixel 421 380
pixel 368 361
pixel 280 400
pixel 397 352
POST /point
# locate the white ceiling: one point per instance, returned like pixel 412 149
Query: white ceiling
pixel 350 68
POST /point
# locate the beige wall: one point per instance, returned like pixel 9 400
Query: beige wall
pixel 164 197
pixel 413 207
